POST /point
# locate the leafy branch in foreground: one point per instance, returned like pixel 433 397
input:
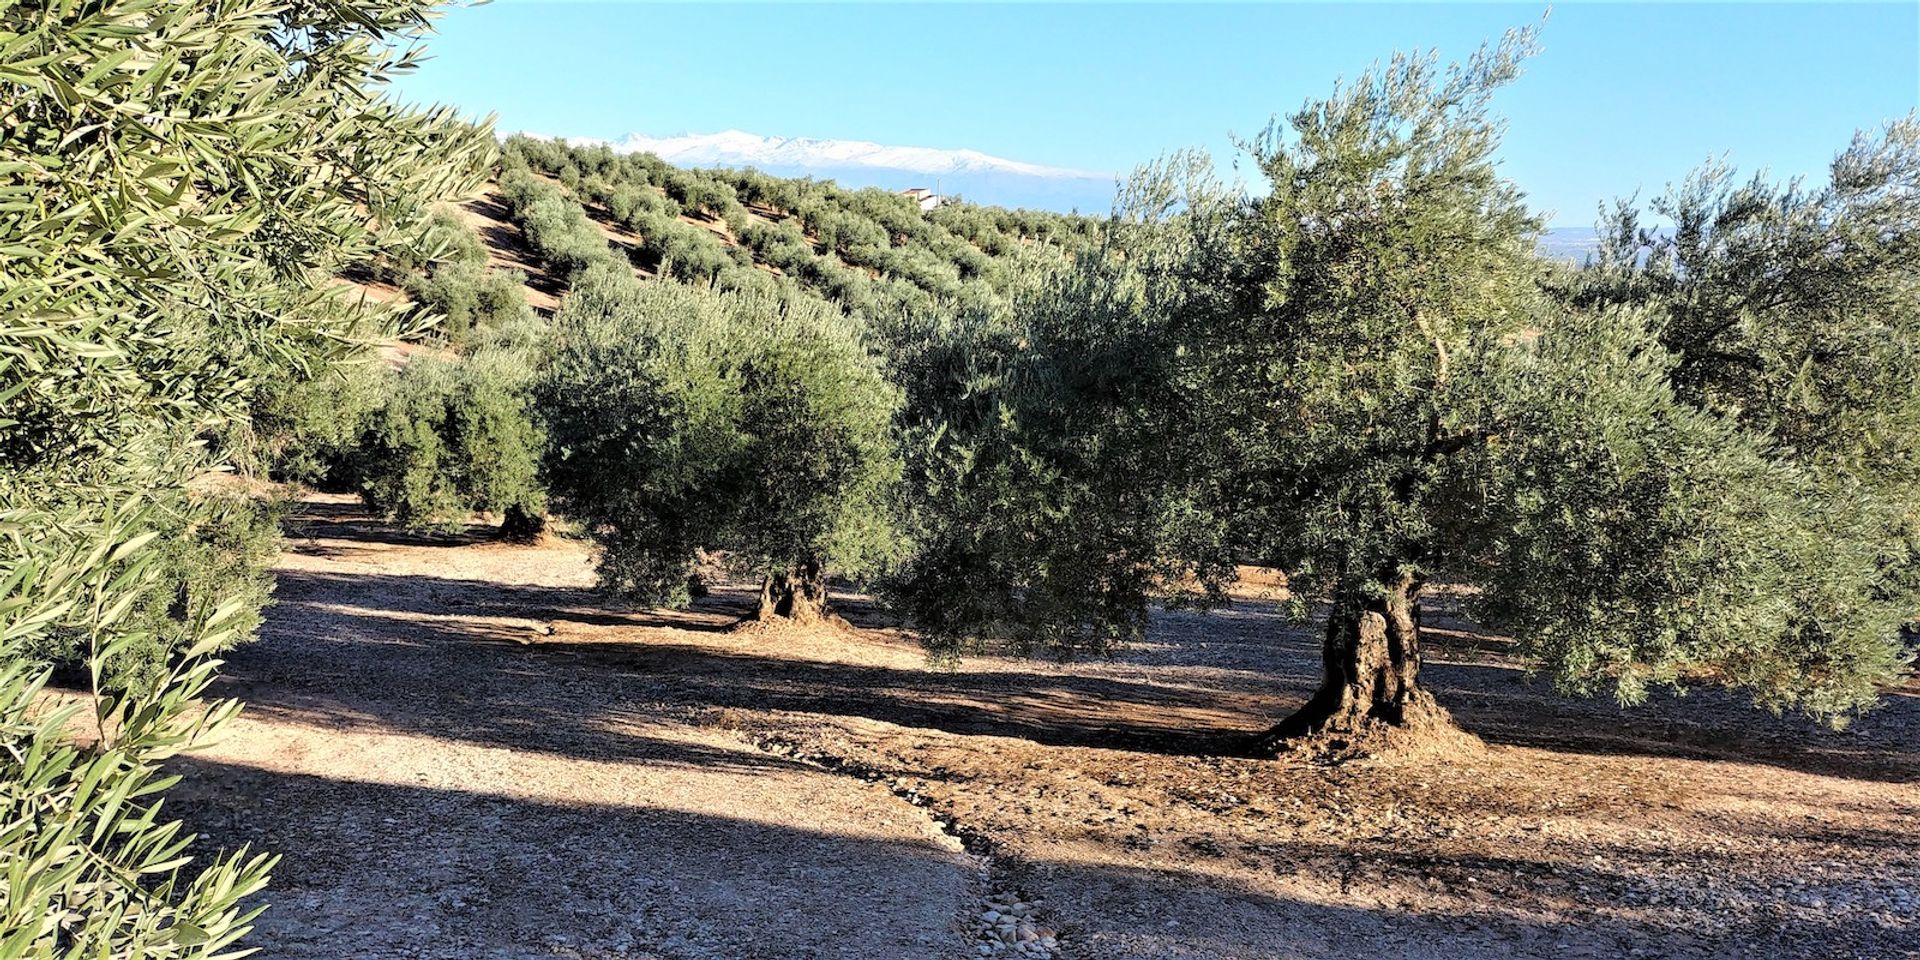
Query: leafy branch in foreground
pixel 182 182
pixel 97 870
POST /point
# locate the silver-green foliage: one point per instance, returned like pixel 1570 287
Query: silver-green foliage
pixel 682 419
pixel 94 868
pixel 469 297
pixel 454 434
pixel 557 228
pixel 1693 467
pixel 1790 315
pixel 181 181
pixel 1049 444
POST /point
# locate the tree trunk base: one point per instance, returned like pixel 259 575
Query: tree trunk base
pixel 1370 699
pixel 1421 725
pixel 796 598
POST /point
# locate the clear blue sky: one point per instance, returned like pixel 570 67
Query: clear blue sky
pixel 1626 96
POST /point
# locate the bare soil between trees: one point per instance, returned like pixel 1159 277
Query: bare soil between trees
pixel 462 752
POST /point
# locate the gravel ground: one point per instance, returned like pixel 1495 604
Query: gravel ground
pixel 462 754
pixel 440 791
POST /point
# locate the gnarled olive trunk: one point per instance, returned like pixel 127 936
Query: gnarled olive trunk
pixel 1370 684
pixel 798 595
pixel 521 525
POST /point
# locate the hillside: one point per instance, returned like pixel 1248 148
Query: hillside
pixel 870 250
pixel 552 210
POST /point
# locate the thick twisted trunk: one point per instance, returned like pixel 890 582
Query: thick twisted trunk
pixel 798 595
pixel 1370 683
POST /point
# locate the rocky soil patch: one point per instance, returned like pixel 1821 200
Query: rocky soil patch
pixel 1011 925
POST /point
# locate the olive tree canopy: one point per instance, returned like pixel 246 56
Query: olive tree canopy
pixel 1681 468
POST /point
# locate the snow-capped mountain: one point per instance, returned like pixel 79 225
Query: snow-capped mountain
pixel 971 174
pixel 736 148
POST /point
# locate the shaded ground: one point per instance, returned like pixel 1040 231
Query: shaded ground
pixel 463 753
pixel 442 791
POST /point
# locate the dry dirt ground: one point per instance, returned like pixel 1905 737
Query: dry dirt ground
pixel 463 753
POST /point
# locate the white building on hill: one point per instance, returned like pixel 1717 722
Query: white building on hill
pixel 926 198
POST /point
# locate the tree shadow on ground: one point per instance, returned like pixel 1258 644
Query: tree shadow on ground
pixel 1127 913
pixel 447 597
pixel 1505 706
pixel 309 529
pixel 380 869
pixel 431 661
pixel 1198 707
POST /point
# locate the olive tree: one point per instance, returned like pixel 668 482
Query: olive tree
pixel 1426 410
pixel 1362 376
pixel 456 434
pixel 683 419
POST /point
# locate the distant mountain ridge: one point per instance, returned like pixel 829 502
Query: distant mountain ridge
pixel 972 174
pixel 739 148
